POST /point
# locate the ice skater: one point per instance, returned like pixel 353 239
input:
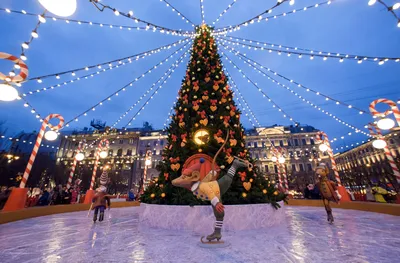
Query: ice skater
pixel 101 200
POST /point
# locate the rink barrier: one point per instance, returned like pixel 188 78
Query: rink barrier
pixel 6 217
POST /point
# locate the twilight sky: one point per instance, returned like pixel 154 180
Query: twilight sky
pixel 350 27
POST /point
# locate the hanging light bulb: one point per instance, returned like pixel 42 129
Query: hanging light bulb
pixel 323 147
pixel 25 45
pixel 103 154
pixel 8 92
pixel 396 6
pixel 50 135
pixel 34 34
pixel 379 144
pixel 274 159
pixel 63 8
pixel 42 19
pixel 23 57
pixel 116 12
pixel 371 2
pixel 385 124
pixel 80 156
pixel 281 159
pixel 291 2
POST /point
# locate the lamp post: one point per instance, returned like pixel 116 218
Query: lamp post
pixel 79 156
pixel 325 145
pixel 147 163
pixel 18 196
pixel 101 152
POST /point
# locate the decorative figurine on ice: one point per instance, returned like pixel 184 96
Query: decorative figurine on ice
pixel 101 200
pixel 210 189
pixel 328 189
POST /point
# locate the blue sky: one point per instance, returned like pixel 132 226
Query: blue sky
pixel 344 26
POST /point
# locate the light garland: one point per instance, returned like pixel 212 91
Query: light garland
pixel 243 58
pixel 260 17
pixel 223 12
pixel 165 77
pixel 169 117
pixel 312 55
pixel 116 93
pixel 118 61
pixel 178 13
pixel 389 8
pixel 202 12
pixel 324 54
pixel 24 141
pixel 352 146
pixel 274 105
pixel 148 91
pixel 148 27
pixel 32 109
pixel 101 7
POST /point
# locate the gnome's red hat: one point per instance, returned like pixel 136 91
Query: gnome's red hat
pixel 194 167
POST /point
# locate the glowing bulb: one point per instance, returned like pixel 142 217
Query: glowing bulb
pixel 50 135
pixel 291 2
pixel 274 159
pixel 103 154
pixel 8 92
pixel 42 19
pixel 25 45
pixel 396 6
pixel 79 156
pixel 379 144
pixel 371 2
pixel 385 124
pixel 130 13
pixel 23 57
pixel 116 12
pixel 63 8
pixel 147 162
pixel 281 159
pixel 323 147
pixel 381 62
pixel 34 34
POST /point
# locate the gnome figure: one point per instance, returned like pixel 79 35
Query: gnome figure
pixel 101 200
pixel 328 189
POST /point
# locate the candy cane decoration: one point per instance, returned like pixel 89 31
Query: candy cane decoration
pixel 100 147
pixel 330 153
pixel 284 173
pixel 39 139
pixel 23 74
pixel 378 134
pixel 393 109
pixel 71 174
pixel 278 165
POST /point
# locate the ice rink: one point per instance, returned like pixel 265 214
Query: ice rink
pixel 305 237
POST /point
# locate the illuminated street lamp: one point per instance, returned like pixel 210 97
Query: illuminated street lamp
pixel 379 144
pixel 385 124
pixel 323 147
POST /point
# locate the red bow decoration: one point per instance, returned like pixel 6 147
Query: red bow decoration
pixel 228 151
pixel 231 133
pixel 174 160
pixel 219 133
pixel 205 92
pixel 242 154
pixel 181 117
pixel 213 102
pixel 183 137
pixel 242 175
pixel 173 136
pixel 166 175
pixel 202 114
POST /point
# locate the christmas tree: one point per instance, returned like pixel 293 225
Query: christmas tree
pixel 205 117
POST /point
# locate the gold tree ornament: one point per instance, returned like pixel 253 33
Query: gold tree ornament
pixel 201 137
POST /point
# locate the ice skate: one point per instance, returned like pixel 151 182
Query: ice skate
pixel 216 235
pixel 101 217
pixel 94 218
pixel 330 218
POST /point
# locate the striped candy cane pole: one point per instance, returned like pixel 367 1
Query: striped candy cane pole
pixel 393 109
pixel 319 136
pixel 284 173
pixel 278 166
pixel 377 133
pixel 23 74
pixel 39 139
pixel 71 174
pixel 102 144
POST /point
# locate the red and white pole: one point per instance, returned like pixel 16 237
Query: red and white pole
pixel 18 196
pixel 103 144
pixel 393 109
pixel 325 140
pixel 71 174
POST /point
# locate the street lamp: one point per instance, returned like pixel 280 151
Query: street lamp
pixel 80 156
pixel 385 124
pixel 50 135
pixel 281 159
pixel 379 144
pixel 63 8
pixel 103 154
pixel 323 147
pixel 8 92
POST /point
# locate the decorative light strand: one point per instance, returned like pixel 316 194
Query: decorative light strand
pixel 260 17
pixel 148 27
pixel 32 109
pixel 389 8
pixel 119 61
pixel 351 146
pixel 165 78
pixel 169 117
pixel 24 141
pixel 178 13
pixel 224 12
pixel 243 58
pixel 202 12
pixel 274 105
pixel 327 98
pixel 100 6
pixel 311 53
pixel 147 92
pixel 116 93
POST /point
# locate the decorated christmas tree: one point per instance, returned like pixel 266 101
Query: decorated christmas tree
pixel 205 118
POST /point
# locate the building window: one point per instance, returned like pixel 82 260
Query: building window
pixel 296 142
pixel 312 142
pixel 162 142
pixel 140 153
pixel 294 168
pixel 301 166
pixel 129 152
pixel 131 140
pixel 121 141
pixel 110 153
pixel 276 168
pixel 155 143
pixel 91 153
pixel 266 169
pixel 119 152
pixel 303 141
pixel 249 144
pixel 281 143
pixel 255 145
pixel 272 142
pixel 309 167
pixel 257 156
pixel 289 142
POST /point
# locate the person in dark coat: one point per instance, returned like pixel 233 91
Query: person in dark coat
pixel 44 199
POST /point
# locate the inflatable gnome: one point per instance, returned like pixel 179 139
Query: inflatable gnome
pixel 328 189
pixel 210 189
pixel 100 199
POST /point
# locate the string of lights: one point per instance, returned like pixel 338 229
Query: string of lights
pixel 165 78
pixel 178 13
pixel 116 93
pixel 169 116
pixel 202 12
pixel 32 109
pixel 318 93
pixel 24 141
pixel 224 12
pixel 325 57
pixel 119 61
pixel 381 60
pixel 274 105
pixel 389 8
pixel 101 7
pixel 260 17
pixel 351 145
pixel 146 93
pixel 262 72
pixel 104 25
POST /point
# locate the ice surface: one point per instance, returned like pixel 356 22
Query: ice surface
pixel 306 237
